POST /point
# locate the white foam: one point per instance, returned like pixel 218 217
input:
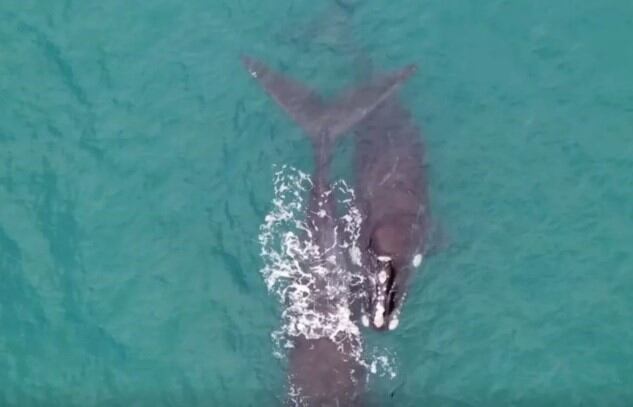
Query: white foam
pixel 294 264
pixel 383 363
pixel 355 256
pixel 287 249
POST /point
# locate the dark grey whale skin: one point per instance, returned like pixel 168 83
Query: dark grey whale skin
pixel 391 188
pixel 326 372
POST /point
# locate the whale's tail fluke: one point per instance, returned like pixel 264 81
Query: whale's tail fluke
pixel 312 113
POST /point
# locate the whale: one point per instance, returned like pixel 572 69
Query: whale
pixel 322 370
pixel 391 187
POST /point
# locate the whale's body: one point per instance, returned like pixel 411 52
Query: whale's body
pixel 392 191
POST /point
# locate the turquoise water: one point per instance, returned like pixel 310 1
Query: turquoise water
pixel 136 168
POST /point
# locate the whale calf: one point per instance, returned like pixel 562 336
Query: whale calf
pixel 323 371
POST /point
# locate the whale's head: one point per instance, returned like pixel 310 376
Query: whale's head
pixel 394 257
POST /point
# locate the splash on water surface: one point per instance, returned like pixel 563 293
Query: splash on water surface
pixel 287 249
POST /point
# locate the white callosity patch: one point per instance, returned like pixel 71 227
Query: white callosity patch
pixel 393 323
pixel 381 295
pixel 417 260
pixel 382 277
pixel 379 284
pixel 295 267
pixel 379 318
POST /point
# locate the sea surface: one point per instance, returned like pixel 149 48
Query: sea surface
pixel 136 168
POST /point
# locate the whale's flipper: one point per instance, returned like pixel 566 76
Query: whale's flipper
pixel 309 110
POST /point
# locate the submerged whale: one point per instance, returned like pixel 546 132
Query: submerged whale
pixel 322 369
